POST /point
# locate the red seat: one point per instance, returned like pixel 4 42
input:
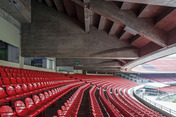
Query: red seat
pixel 30 86
pixel 36 100
pixel 13 80
pixel 11 92
pixel 19 80
pixel 20 108
pixel 2 95
pixel 42 97
pixel 6 111
pixel 6 80
pixel 35 86
pixel 46 95
pixel 25 88
pixel 29 103
pixel 60 113
pixel 24 80
pixel 19 90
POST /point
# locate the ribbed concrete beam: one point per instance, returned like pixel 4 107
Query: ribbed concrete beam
pixel 112 12
pixel 170 3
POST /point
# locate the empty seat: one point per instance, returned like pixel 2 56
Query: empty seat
pixel 2 95
pixel 6 80
pixel 13 80
pixel 19 80
pixel 36 100
pixel 20 108
pixel 6 111
pixel 29 103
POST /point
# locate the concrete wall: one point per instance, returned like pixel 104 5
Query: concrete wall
pixel 11 35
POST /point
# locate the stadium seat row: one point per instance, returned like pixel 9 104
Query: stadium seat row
pixel 38 103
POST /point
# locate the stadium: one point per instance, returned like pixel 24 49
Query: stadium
pixel 87 58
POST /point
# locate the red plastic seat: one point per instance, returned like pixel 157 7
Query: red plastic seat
pixel 10 90
pixel 50 93
pixel 20 108
pixel 13 80
pixel 2 94
pixel 6 111
pixel 29 103
pixel 18 89
pixel 46 95
pixel 36 100
pixel 60 113
pixel 6 80
pixel 35 86
pixel 24 80
pixel 19 80
pixel 25 88
pixel 42 97
pixel 30 86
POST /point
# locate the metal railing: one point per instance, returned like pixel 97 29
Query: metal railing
pixel 166 109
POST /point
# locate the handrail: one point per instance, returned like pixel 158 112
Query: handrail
pixel 170 111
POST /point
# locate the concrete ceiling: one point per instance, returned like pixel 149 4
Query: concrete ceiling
pixel 104 35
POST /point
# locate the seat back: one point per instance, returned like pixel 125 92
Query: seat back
pixel 29 103
pixel 50 93
pixel 46 95
pixel 2 93
pixel 42 97
pixel 19 107
pixel 30 86
pixel 63 108
pixel 25 88
pixel 35 85
pixel 6 80
pixel 36 100
pixel 10 90
pixel 19 80
pixel 60 113
pixel 6 111
pixel 13 80
pixel 18 89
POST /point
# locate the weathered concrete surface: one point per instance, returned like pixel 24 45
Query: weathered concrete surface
pixel 54 34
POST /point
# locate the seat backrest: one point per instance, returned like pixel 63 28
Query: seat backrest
pixel 19 107
pixel 59 112
pixel 10 90
pixel 35 85
pixel 13 80
pixel 2 93
pixel 18 89
pixel 53 92
pixel 63 108
pixel 42 97
pixel 30 86
pixel 19 80
pixel 46 95
pixel 25 88
pixel 50 93
pixel 6 80
pixel 24 80
pixel 39 85
pixel 29 103
pixel 6 111
pixel 36 100
pixel 65 104
pixel 28 80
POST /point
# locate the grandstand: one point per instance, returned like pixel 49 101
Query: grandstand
pixel 87 58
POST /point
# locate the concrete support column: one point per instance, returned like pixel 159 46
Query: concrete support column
pixel 21 62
